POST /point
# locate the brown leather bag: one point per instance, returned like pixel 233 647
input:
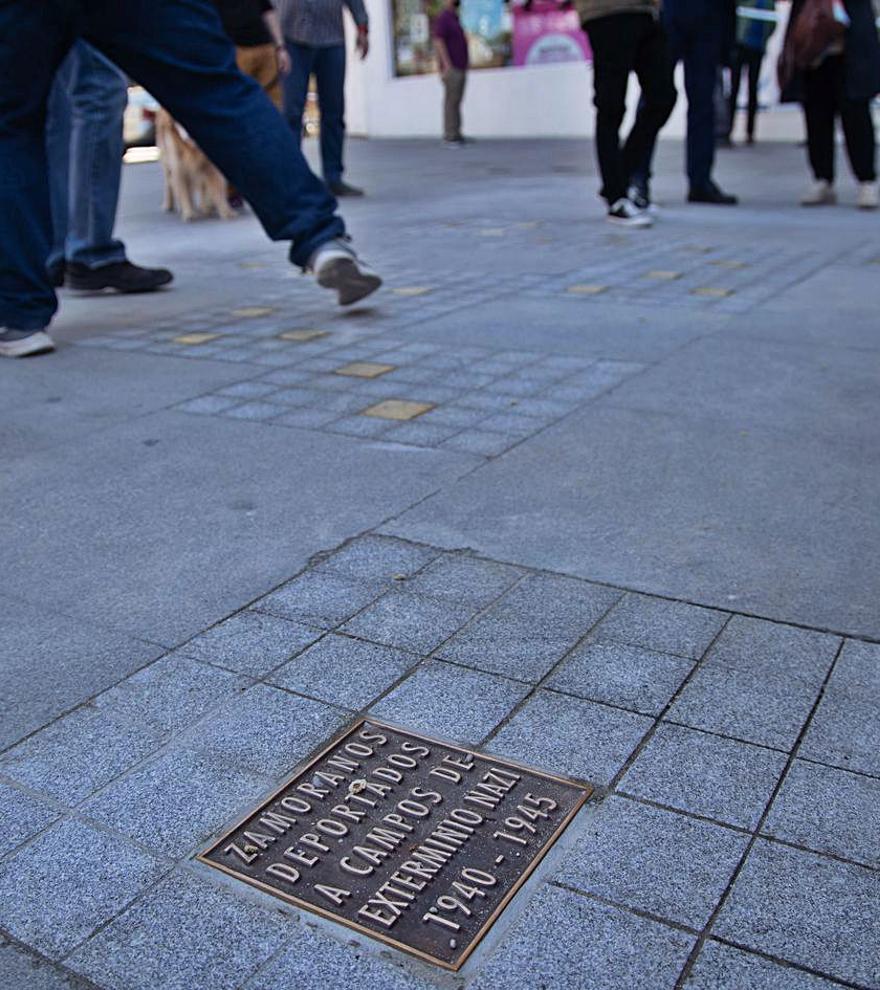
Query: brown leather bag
pixel 814 31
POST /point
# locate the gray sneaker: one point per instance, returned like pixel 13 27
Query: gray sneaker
pixel 336 266
pixel 24 343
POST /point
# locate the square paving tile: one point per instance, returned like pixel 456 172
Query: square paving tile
pixel 19 970
pixel 565 940
pixel 400 409
pixel 807 909
pixel 186 934
pixel 379 557
pixel 654 860
pixel 480 442
pixel 571 737
pixel 657 624
pixel 21 816
pixel 449 702
pixel 410 622
pixel 718 778
pixel 177 800
pixel 364 369
pixel 564 604
pixel 343 671
pixel 460 578
pixel 320 598
pixel 722 967
pixel 251 642
pixel 828 810
pixel 74 756
pixel 757 645
pixel 512 647
pixel 69 881
pixel 769 709
pixel 620 674
pixel 846 730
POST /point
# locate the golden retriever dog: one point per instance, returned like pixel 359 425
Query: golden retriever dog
pixel 193 185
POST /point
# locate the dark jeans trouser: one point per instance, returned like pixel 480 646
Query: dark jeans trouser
pixel 85 146
pixel 177 49
pixel 697 42
pixel 625 43
pixel 824 100
pixel 750 59
pixel 327 64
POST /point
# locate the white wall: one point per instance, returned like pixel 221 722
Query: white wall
pixel 534 101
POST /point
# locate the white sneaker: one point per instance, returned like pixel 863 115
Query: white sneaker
pixel 869 196
pixel 336 266
pixel 820 193
pixel 24 343
pixel 625 213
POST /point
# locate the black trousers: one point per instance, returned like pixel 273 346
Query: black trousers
pixel 824 100
pixel 625 43
pixel 750 59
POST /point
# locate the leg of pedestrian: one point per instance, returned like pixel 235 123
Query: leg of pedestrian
pixel 296 86
pixel 819 115
pixel 453 87
pixel 756 60
pixel 86 108
pixel 861 146
pixel 330 81
pixel 34 38
pixel 180 53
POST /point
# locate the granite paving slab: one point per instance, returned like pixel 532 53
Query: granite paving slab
pixel 721 967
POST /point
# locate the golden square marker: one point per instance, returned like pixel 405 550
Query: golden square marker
pixel 412 290
pixel 398 409
pixel 586 290
pixel 190 339
pixel 251 311
pixel 364 369
pixel 662 276
pixel 712 292
pixel 301 336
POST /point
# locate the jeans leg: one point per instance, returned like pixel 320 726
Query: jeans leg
pixel 178 50
pixel 296 86
pixel 700 77
pixel 98 95
pixel 330 79
pixel 33 40
pixel 755 61
pixel 58 129
pixel 735 80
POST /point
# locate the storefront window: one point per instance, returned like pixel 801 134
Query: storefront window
pixel 498 34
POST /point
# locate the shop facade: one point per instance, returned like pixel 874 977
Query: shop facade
pixel 531 74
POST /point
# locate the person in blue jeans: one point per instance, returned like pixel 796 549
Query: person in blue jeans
pixel 85 146
pixel 697 33
pixel 176 49
pixel 315 38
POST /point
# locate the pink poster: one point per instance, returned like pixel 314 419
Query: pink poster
pixel 548 33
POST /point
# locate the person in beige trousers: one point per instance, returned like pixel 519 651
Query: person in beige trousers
pixel 451 48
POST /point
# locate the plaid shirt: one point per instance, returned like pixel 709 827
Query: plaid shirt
pixel 318 22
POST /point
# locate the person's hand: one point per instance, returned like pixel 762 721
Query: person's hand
pixel 284 63
pixel 362 46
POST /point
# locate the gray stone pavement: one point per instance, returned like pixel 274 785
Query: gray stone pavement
pixel 628 535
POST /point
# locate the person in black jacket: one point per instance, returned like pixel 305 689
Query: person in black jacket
pixel 843 85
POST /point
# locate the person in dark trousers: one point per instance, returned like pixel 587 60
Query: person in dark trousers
pixel 260 51
pixel 315 38
pixel 754 28
pixel 843 85
pixel 698 33
pixel 177 50
pixel 451 48
pixel 626 36
pixel 85 145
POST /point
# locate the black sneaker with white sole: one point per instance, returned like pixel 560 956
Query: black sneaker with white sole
pixel 336 266
pixel 121 276
pixel 625 213
pixel 24 343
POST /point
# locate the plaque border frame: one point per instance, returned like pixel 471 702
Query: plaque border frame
pixel 587 791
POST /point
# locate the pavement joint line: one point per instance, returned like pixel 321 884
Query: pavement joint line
pixel 78 982
pixel 837 766
pixel 721 735
pixel 788 964
pixel 756 832
pixel 628 908
pixel 684 813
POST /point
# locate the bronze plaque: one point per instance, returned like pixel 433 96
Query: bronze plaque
pixel 413 841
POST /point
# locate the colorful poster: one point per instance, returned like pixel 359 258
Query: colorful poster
pixel 548 33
